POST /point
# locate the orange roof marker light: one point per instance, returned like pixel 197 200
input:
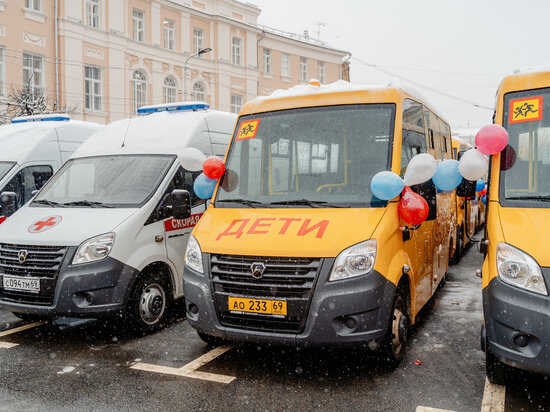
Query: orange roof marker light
pixel 314 82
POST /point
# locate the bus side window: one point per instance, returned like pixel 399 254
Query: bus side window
pixel 413 137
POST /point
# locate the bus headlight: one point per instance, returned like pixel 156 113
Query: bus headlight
pixel 519 269
pixel 354 261
pixel 94 249
pixel 193 255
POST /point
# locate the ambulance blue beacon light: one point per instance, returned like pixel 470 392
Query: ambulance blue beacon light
pixel 173 107
pixel 53 117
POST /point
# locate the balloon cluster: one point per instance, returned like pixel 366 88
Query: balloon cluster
pixel 212 169
pixel 445 175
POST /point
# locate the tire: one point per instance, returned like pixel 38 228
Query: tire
pixel 497 372
pixel 211 340
pixel 393 344
pixel 459 246
pixel 150 304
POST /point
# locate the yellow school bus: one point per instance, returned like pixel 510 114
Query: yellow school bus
pixel 467 210
pixel 294 248
pixel 516 270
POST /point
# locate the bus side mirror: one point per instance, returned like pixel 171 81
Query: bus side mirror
pixel 466 189
pixel 429 192
pixel 9 203
pixel 181 204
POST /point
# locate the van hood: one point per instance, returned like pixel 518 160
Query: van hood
pixel 527 229
pixel 318 232
pixel 60 226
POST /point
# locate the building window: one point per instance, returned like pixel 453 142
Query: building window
pixel 321 71
pixel 92 13
pixel 2 72
pixel 139 25
pixel 33 72
pixel 92 88
pixel 170 91
pixel 198 40
pixel 303 69
pixel 236 43
pixel 285 65
pixel 198 92
pixel 236 103
pixel 34 5
pixel 139 90
pixel 169 34
pixel 267 61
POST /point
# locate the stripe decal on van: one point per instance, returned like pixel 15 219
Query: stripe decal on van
pixel 178 224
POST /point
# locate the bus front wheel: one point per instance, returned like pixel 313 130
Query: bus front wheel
pixel 392 345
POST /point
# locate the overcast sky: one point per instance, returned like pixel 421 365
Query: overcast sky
pixel 459 47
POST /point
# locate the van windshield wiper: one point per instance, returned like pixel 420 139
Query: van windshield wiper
pixel 246 202
pixel 86 203
pixel 311 203
pixel 545 197
pixel 48 202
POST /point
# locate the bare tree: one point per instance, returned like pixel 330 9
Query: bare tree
pixel 26 101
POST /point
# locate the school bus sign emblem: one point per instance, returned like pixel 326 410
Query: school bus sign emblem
pixel 525 110
pixel 248 129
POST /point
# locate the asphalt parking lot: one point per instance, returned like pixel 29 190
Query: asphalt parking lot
pixel 89 365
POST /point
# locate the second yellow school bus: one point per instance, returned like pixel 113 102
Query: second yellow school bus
pixel 294 248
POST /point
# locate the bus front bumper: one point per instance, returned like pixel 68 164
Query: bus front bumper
pixel 517 325
pixel 347 312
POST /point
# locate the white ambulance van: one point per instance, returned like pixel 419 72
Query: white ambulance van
pixel 32 149
pixel 100 238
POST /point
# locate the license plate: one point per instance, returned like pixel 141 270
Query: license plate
pixel 262 306
pixel 21 284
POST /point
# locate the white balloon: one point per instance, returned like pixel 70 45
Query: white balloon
pixel 473 165
pixel 192 159
pixel 420 169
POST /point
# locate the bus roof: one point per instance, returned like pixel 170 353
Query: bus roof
pixel 339 92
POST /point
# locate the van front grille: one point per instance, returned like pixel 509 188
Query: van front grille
pixel 288 279
pixel 40 261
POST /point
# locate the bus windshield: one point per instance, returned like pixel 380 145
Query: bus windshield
pixel 527 120
pixel 309 157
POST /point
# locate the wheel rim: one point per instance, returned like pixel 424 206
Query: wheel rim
pixel 396 342
pixel 152 303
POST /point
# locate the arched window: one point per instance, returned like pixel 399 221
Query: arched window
pixel 139 90
pixel 198 92
pixel 170 90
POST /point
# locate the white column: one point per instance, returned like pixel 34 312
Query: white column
pixel 155 24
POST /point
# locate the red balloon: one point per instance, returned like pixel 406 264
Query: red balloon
pixel 413 208
pixel 482 192
pixel 491 139
pixel 213 168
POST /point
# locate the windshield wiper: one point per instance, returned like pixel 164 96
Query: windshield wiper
pixel 546 197
pixel 86 203
pixel 246 202
pixel 311 203
pixel 47 202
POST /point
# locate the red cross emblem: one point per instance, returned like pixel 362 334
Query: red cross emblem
pixel 45 224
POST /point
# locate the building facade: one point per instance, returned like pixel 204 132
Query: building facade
pixel 114 56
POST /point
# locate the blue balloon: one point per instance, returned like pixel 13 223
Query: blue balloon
pixel 480 185
pixel 386 185
pixel 484 199
pixel 204 186
pixel 447 176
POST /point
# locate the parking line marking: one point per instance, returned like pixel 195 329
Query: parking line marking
pixel 190 370
pixel 7 345
pixel 428 409
pixel 494 397
pixel 21 328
